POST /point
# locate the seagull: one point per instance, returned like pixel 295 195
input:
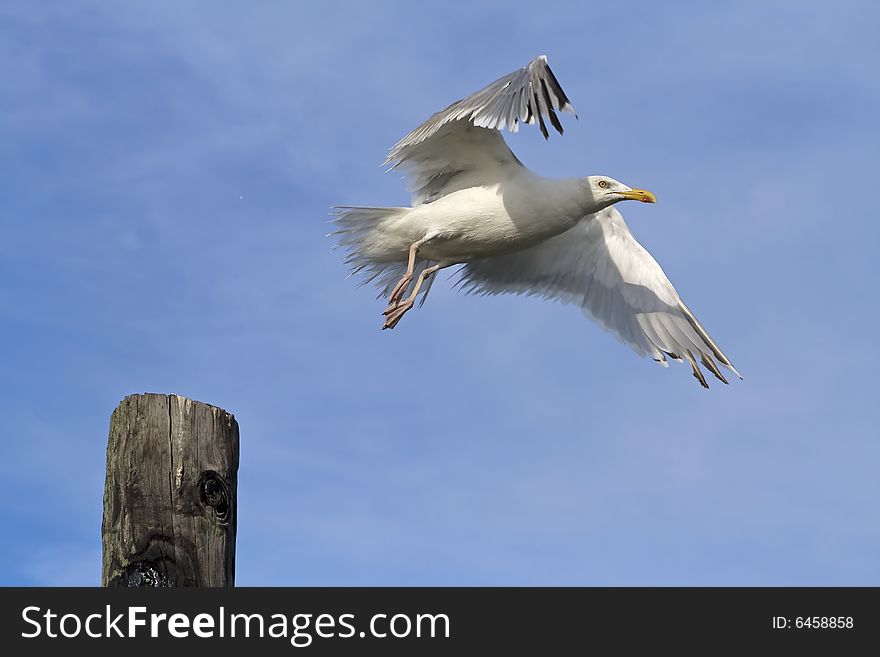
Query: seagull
pixel 474 204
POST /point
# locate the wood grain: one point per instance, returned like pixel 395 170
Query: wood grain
pixel 170 494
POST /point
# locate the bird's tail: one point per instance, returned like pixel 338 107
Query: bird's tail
pixel 356 231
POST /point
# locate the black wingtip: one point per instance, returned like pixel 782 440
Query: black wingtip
pixel 540 116
pixel 696 369
pixel 712 367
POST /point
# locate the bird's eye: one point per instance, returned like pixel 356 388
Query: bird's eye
pixel 603 184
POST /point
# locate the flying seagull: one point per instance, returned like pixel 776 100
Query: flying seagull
pixel 476 205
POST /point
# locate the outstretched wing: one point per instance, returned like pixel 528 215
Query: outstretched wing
pixel 599 266
pixel 461 146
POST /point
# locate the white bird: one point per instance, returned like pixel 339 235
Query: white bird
pixel 474 204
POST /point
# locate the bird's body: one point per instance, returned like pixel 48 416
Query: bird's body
pixel 474 204
pixel 479 221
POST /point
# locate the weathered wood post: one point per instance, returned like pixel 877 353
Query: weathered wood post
pixel 170 494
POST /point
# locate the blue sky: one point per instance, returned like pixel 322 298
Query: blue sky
pixel 167 170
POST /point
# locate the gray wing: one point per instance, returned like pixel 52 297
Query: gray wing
pixel 461 146
pixel 599 266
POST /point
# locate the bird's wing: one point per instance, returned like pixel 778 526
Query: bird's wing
pixel 599 266
pixel 461 146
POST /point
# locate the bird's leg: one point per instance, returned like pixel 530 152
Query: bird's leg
pixel 403 283
pixel 393 315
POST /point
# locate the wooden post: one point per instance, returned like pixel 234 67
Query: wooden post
pixel 170 494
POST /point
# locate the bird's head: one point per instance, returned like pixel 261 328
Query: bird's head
pixel 604 191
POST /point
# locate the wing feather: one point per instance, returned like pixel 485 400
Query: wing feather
pixel 461 146
pixel 599 266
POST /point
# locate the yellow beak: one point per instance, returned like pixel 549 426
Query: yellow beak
pixel 642 195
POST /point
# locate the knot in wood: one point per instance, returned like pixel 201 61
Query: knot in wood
pixel 141 574
pixel 215 495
